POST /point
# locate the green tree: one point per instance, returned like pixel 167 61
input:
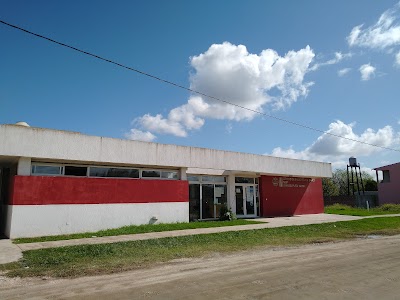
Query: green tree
pixel 339 178
pixel 329 188
pixel 370 185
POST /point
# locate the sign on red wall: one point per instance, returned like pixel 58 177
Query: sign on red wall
pixel 287 196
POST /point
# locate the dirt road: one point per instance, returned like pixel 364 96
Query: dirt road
pixel 359 269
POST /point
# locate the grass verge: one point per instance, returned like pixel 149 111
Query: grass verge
pixel 134 229
pixel 85 260
pixel 339 209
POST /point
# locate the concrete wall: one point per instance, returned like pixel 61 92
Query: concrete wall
pixel 354 200
pixel 38 143
pixel 389 192
pixel 47 205
pixel 349 200
pixel 24 166
pixel 40 220
pixel 231 195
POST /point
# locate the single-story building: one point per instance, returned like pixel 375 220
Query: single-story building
pixel 60 182
pixel 389 186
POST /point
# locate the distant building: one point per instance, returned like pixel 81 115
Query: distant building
pixel 389 186
pixel 59 182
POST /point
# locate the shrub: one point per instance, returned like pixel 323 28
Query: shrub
pixel 338 206
pixel 225 214
pixel 389 207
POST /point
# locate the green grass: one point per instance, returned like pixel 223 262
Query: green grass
pixel 133 229
pixel 111 258
pixel 385 209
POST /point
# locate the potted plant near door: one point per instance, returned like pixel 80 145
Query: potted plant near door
pixel 225 214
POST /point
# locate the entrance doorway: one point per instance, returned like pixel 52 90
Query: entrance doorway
pixel 4 183
pixel 247 203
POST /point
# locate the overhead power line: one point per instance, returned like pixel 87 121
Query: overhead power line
pixel 191 90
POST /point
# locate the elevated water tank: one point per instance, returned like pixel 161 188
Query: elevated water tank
pixel 353 161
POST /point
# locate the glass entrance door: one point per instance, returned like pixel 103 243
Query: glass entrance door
pixel 246 200
pixel 206 198
pixel 239 200
pixel 207 201
pixel 250 200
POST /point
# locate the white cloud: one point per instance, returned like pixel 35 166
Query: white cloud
pixel 229 72
pixel 397 61
pixel 135 134
pixel 229 128
pixel 367 71
pixel 179 119
pixel 354 34
pixel 385 33
pixel 344 71
pixel 333 149
pixel 160 125
pixel 338 58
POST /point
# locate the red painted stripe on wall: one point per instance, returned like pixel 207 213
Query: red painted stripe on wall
pixel 42 190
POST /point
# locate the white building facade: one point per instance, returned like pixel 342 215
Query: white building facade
pixel 59 182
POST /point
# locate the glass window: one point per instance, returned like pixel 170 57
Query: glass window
pixel 208 206
pixel 250 193
pixel 220 194
pixel 193 178
pixel 386 176
pixel 207 201
pixel 244 180
pixel 214 178
pixel 75 171
pixel 113 172
pixel 194 202
pixel 98 172
pixel 220 198
pixel 169 174
pixel 151 173
pixel 46 170
pixel 239 200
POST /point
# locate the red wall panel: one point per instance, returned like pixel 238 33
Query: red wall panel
pixel 288 196
pixel 39 190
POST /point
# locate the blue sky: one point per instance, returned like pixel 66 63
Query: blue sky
pixel 306 61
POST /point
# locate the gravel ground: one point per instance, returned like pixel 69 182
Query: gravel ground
pixel 365 268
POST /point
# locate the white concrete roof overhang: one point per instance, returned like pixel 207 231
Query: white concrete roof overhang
pixel 56 145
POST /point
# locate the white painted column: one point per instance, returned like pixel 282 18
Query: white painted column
pixel 183 176
pixel 183 173
pixel 8 216
pixel 24 166
pixel 231 193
